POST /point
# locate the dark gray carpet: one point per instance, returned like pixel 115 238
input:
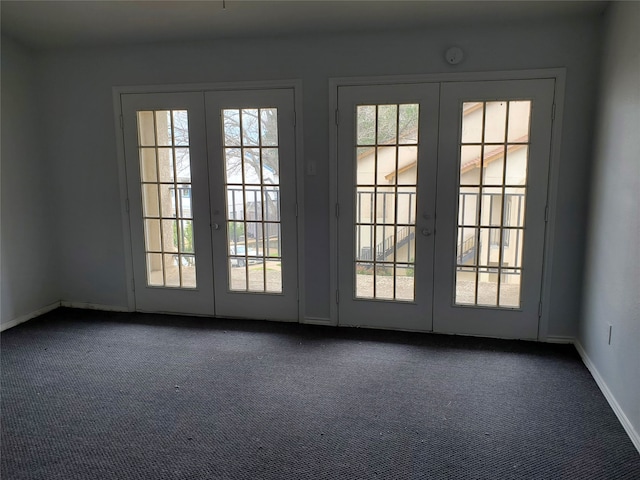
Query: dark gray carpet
pixel 95 395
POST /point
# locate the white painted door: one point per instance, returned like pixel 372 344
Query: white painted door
pixel 387 151
pixel 493 169
pixel 467 259
pixel 252 180
pixel 212 202
pixel 166 166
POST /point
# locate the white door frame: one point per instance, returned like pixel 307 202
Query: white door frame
pixel 294 84
pixel 558 74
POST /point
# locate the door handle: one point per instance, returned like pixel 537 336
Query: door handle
pixel 216 226
pixel 427 232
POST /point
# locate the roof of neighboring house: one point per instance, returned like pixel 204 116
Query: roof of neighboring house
pixel 491 155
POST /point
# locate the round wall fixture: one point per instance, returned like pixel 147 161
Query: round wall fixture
pixel 453 55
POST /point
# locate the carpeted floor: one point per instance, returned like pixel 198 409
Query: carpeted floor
pixel 95 395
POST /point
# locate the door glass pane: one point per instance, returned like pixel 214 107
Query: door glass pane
pixel 467 248
pixel 385 214
pixel 466 286
pixel 384 280
pixel 510 288
pixel 470 164
pixel 180 127
pixel 519 121
pixel 165 167
pixel 163 127
pixel 150 205
pixel 172 270
pixel 495 122
pixel 237 273
pixel 168 200
pixel 165 164
pixel 155 270
pixel 183 164
pixel 170 236
pixel 366 124
pixel 364 280
pixel 273 276
pixel 472 120
pixel 153 240
pixel 407 165
pixel 233 164
pixel 468 206
pixel 270 166
pixel 492 173
pixel 251 165
pixel 516 165
pixel 494 155
pixel 231 120
pixel 487 287
pixel 366 170
pixel 256 277
pixel 269 127
pixel 385 165
pixel 252 183
pixel 404 282
pixel 146 129
pixel 148 165
pixel 188 271
pixel 387 125
pixel 408 124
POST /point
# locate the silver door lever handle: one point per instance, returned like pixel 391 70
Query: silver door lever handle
pixel 216 226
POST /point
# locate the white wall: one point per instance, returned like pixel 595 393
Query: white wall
pixel 27 235
pixel 612 277
pixel 82 148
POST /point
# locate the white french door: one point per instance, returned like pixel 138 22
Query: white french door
pixel 387 150
pixel 168 193
pixel 442 195
pixel 212 202
pixel 253 203
pixel 493 171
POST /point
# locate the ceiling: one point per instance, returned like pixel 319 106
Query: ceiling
pixel 62 24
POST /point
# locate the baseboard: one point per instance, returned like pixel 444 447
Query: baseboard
pixel 560 339
pixel 626 424
pixel 28 316
pixel 94 306
pixel 317 321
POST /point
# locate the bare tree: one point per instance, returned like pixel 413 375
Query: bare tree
pixel 377 123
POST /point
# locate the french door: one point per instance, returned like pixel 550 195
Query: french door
pixel 212 202
pixel 167 182
pixel 493 171
pixel 442 195
pixel 253 203
pixel 387 151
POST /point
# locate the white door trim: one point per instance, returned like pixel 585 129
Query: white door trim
pixel 558 74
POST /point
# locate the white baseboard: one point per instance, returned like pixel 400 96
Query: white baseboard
pixel 28 316
pixel 317 321
pixel 560 339
pixel 94 306
pixel 626 424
